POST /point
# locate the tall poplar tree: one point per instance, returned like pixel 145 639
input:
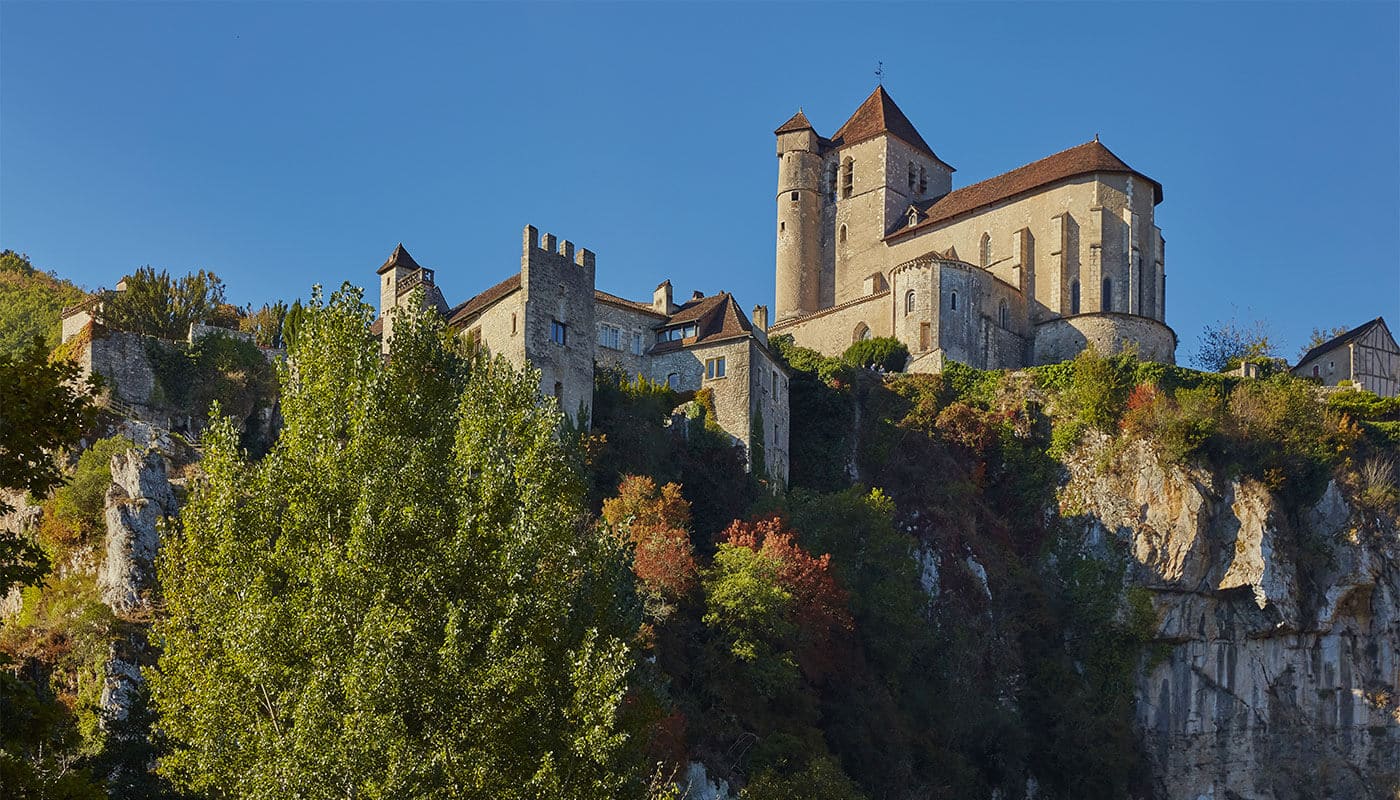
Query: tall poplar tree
pixel 403 599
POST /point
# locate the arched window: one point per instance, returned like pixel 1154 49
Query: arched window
pixel 848 176
pixel 913 217
pixel 913 176
pixel 842 235
pixel 862 332
pixel 1003 315
pixel 1074 297
pixel 986 250
pixel 672 380
pixel 953 303
pixel 1107 297
pixel 909 302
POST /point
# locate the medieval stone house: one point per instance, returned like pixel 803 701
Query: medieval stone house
pixel 1028 267
pixel 1366 356
pixel 551 315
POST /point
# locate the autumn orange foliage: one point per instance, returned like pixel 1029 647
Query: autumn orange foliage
pixel 657 521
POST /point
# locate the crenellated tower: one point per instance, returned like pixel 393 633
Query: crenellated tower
pixel 798 289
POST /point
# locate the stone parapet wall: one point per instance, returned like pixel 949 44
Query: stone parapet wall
pixel 833 330
pixel 1062 339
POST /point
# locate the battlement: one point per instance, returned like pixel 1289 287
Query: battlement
pixel 549 243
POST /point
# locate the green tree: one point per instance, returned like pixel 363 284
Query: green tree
pixel 44 407
pixel 404 598
pixel 156 304
pixel 39 746
pixel 31 302
pixel 1227 343
pixel 884 352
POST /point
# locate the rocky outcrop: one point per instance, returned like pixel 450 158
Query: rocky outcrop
pixel 1276 674
pixel 139 499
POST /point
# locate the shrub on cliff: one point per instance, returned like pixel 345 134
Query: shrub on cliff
pixel 404 598
pixel 883 352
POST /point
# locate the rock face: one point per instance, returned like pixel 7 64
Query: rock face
pixel 1277 675
pixel 139 498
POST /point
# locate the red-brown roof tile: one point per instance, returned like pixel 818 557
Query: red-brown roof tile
pixel 877 115
pixel 631 305
pixel 717 317
pixel 797 123
pixel 1083 159
pixel 474 304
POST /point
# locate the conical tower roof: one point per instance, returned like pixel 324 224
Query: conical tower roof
pixel 399 258
pixel 797 123
pixel 879 115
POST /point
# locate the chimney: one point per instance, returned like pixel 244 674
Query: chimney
pixel 697 295
pixel 661 299
pixel 760 317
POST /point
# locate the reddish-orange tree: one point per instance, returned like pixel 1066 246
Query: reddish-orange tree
pixel 818 613
pixel 657 520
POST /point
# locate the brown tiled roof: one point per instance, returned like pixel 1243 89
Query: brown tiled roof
pixel 376 328
pixel 1345 338
pixel 631 305
pixel 797 123
pixel 877 115
pixel 474 304
pixel 398 258
pixel 1080 160
pixel 717 317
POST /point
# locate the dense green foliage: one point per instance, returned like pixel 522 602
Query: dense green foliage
pixel 229 371
pixel 38 742
pixel 44 408
pixel 31 301
pixel 883 352
pixel 156 304
pixel 73 514
pixel 404 597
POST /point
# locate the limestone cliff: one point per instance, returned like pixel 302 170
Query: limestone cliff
pixel 1276 673
pixel 140 497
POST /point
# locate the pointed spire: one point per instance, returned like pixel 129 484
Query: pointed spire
pixel 878 115
pixel 797 123
pixel 399 258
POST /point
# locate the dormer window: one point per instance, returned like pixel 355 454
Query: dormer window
pixel 913 217
pixel 678 333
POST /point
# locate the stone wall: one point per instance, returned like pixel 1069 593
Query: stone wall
pixel 833 330
pixel 124 364
pixel 498 328
pixel 1063 339
pixel 636 335
pixel 557 286
pixel 768 393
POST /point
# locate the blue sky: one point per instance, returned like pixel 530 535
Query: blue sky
pixel 282 145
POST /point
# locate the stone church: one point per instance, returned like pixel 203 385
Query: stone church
pixel 1029 267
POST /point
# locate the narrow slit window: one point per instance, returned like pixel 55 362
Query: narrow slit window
pixel 1107 299
pixel 953 302
pixel 1074 297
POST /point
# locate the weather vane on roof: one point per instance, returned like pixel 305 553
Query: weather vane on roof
pixel 880 73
